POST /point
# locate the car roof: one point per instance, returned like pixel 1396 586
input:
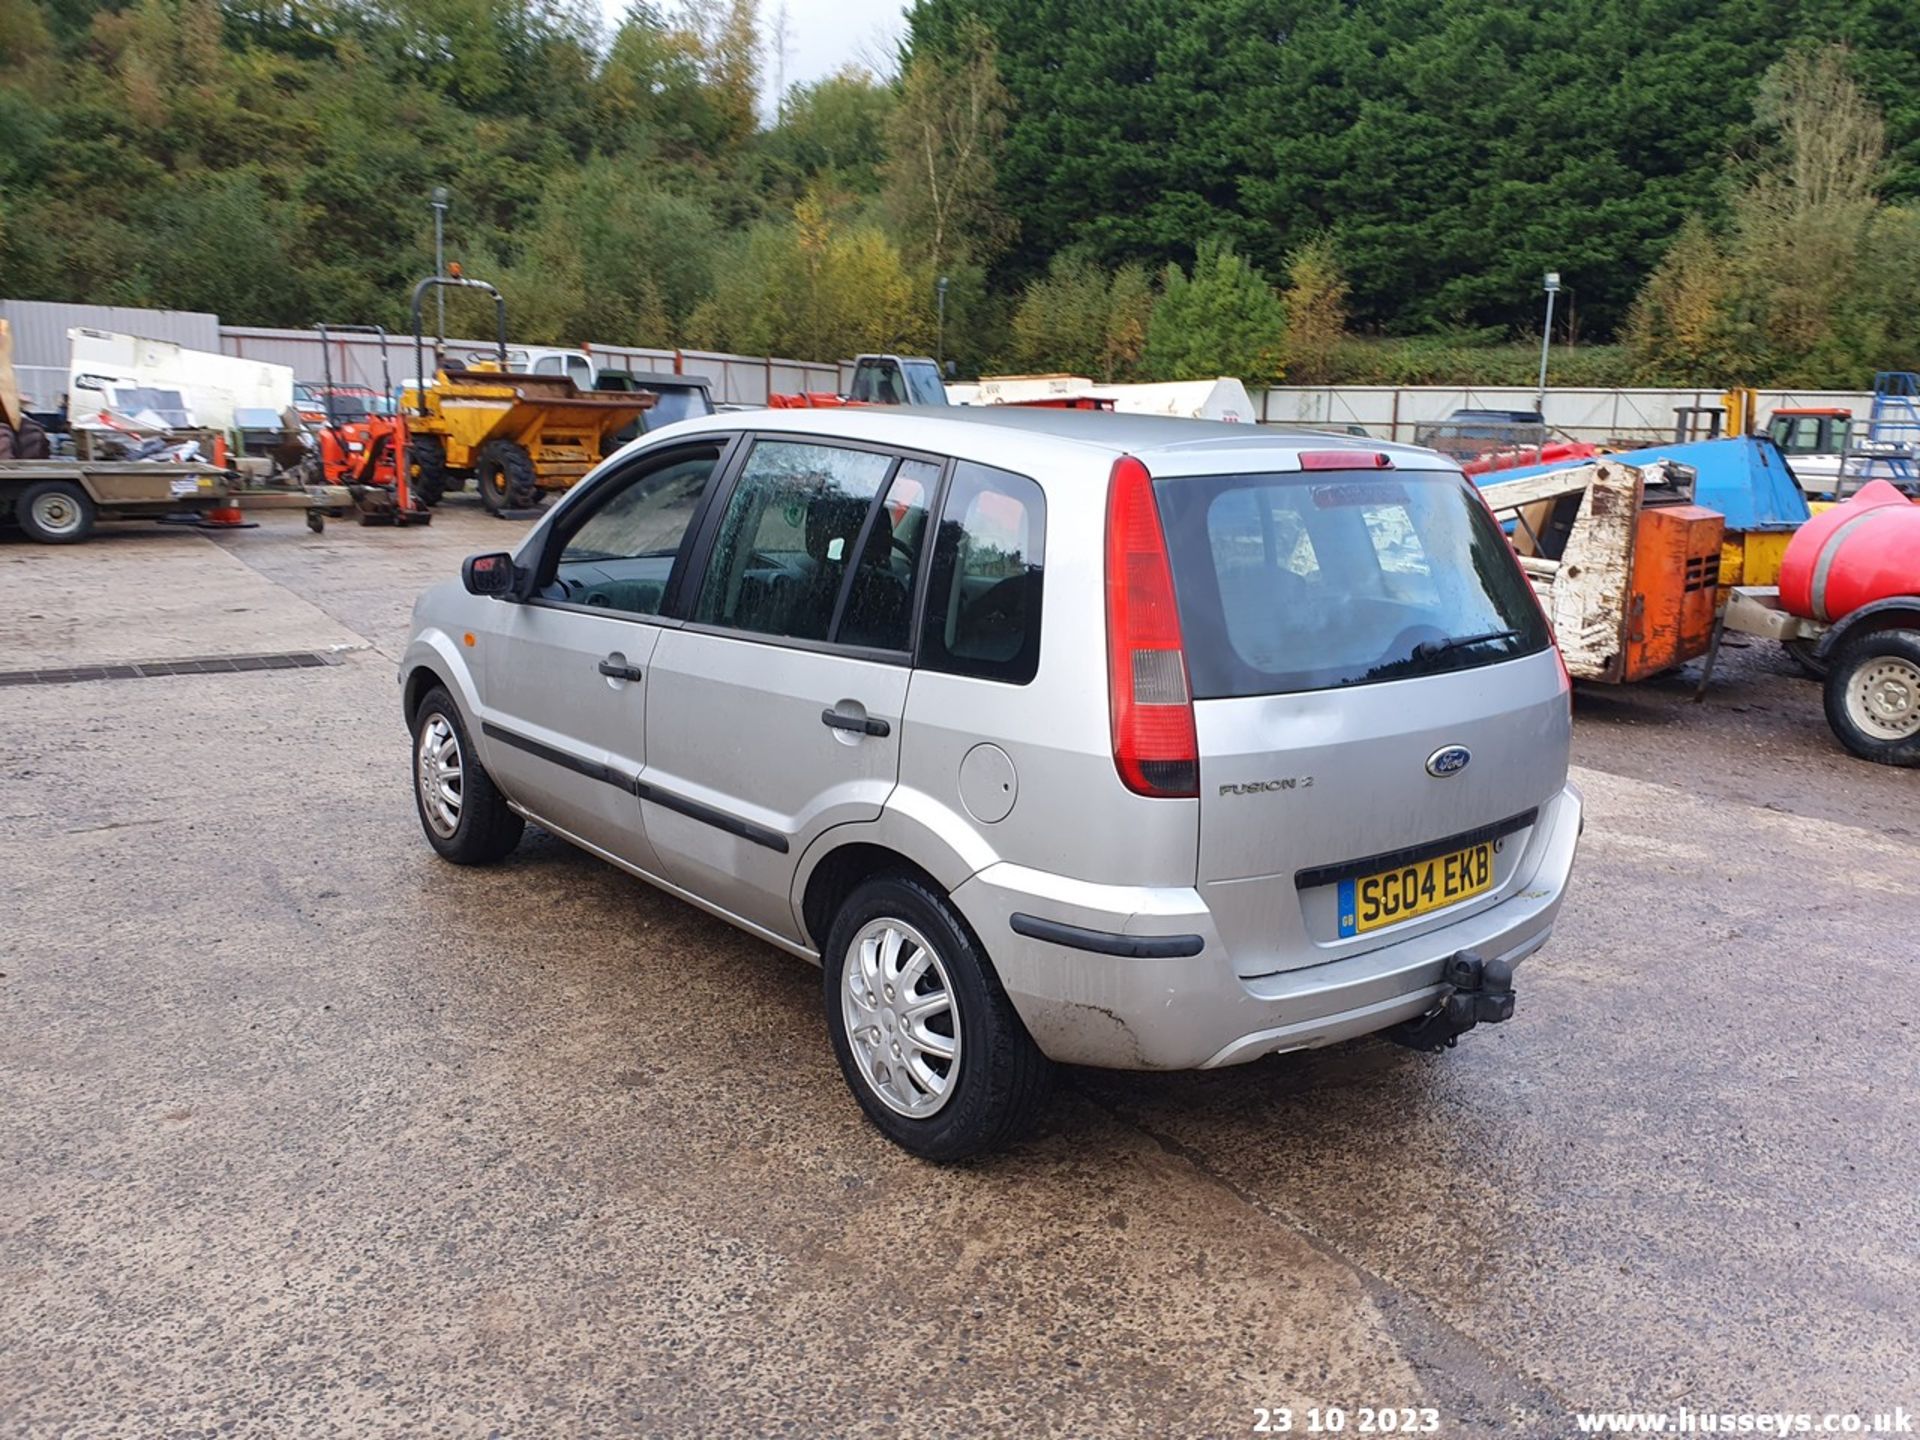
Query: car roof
pixel 1183 446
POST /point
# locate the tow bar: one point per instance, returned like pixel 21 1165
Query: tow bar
pixel 1479 991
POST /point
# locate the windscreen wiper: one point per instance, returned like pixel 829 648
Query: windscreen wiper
pixel 1428 649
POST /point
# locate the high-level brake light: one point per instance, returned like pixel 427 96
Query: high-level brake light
pixel 1345 460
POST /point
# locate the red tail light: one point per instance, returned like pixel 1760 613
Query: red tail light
pixel 1154 747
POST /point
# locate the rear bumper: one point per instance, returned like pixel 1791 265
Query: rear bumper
pixel 1163 1010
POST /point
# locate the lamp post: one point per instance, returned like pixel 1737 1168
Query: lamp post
pixel 940 294
pixel 1546 339
pixel 441 195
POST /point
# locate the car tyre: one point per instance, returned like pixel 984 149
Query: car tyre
pixel 1873 696
pixel 465 817
pixel 881 992
pixel 55 512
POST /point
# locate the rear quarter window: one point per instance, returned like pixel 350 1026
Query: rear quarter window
pixel 984 595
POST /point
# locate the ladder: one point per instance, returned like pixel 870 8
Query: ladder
pixel 1886 446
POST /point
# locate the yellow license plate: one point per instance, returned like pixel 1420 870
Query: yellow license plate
pixel 1386 897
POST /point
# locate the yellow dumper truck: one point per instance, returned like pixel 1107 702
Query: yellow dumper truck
pixel 515 435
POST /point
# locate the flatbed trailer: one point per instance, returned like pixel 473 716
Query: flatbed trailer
pixel 58 501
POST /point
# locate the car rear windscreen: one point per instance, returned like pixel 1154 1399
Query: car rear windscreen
pixel 1313 580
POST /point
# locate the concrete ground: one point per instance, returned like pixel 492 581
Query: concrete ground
pixel 307 1132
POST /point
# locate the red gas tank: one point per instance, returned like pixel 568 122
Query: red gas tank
pixel 1864 550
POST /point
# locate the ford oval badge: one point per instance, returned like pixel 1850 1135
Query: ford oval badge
pixel 1448 760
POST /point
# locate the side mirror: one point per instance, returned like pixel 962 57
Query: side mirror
pixel 953 368
pixel 488 574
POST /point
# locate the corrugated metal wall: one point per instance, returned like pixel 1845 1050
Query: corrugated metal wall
pixel 736 379
pixel 40 338
pixel 40 352
pixel 1391 412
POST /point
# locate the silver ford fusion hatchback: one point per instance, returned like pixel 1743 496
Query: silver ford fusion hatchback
pixel 1048 735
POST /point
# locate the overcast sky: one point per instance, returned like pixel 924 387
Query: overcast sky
pixel 822 35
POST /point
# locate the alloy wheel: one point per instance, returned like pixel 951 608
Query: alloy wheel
pixel 902 1018
pixel 437 773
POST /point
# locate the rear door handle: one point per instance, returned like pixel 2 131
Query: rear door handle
pixel 616 670
pixel 864 725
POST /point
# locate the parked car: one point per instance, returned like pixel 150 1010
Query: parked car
pixel 1470 434
pixel 1050 735
pixel 679 397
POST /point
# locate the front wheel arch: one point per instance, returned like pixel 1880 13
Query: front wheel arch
pixel 420 680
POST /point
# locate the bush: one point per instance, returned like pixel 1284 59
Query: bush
pixel 1083 320
pixel 817 287
pixel 1224 319
pixel 1469 360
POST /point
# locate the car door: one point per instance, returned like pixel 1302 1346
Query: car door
pixel 568 677
pixel 774 712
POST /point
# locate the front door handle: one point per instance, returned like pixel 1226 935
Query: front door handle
pixel 619 670
pixel 861 724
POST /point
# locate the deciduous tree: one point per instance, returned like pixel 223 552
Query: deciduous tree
pixel 816 286
pixel 1681 326
pixel 1316 306
pixel 945 138
pixel 1082 320
pixel 1812 283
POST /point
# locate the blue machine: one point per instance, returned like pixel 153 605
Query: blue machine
pixel 1744 477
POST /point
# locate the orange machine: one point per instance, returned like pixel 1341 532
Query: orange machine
pixel 362 452
pixel 810 400
pixel 1674 588
pixel 1625 565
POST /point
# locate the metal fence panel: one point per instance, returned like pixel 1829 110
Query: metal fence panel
pixel 1596 415
pixel 736 379
pixel 1387 411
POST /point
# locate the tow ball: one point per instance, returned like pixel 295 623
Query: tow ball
pixel 1479 992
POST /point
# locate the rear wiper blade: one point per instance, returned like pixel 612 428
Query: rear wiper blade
pixel 1428 649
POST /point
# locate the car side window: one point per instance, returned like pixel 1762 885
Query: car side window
pixel 621 555
pixel 876 606
pixel 983 602
pixel 795 535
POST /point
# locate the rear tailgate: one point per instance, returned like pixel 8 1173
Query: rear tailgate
pixel 1301 792
pixel 1378 708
